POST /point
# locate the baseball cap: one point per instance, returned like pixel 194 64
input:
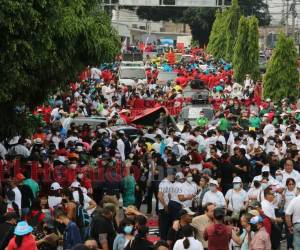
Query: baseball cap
pixel 186 210
pixel 254 204
pixel 206 171
pixel 214 182
pixel 179 176
pixel 237 179
pixel 55 186
pixel 256 219
pixel 20 177
pixel 75 184
pixel 254 212
pixel 265 169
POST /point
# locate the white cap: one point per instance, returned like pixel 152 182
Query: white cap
pixel 214 182
pixel 278 171
pixel 265 169
pixel 55 186
pixel 179 175
pixel 237 179
pixel 75 184
pixel 268 100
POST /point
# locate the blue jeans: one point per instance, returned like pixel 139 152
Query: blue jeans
pixel 297 236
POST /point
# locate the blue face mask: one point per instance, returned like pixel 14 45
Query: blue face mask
pixel 128 229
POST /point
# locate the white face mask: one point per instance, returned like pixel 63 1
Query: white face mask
pixel 189 179
pixel 236 185
pixel 279 177
pixel 264 186
pixel 80 176
pixel 72 166
pixel 213 188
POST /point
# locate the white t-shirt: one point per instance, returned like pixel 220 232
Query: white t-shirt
pixel 177 189
pixel 188 189
pixel 216 198
pixel 194 244
pixel 268 209
pixel 164 187
pixel 86 200
pixel 95 73
pixel 254 193
pixel 53 201
pixel 289 196
pixel 18 197
pixel 294 209
pixel 236 199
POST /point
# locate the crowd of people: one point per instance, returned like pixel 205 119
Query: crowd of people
pixel 230 183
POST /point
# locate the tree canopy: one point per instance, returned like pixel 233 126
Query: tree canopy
pixel 44 44
pixel 282 77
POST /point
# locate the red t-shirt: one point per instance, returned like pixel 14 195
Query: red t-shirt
pixel 28 242
pixel 218 236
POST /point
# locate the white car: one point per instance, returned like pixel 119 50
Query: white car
pixel 131 76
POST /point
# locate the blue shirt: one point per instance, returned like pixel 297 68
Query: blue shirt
pixel 72 236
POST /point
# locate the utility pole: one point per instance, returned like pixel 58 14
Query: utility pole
pixel 287 18
pixel 294 15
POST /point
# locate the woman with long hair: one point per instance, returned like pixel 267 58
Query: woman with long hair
pixel 23 239
pixel 188 242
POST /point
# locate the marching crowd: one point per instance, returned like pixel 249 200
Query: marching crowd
pixel 230 183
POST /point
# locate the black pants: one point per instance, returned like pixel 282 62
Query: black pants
pixel 163 223
pixel 174 208
pixel 153 189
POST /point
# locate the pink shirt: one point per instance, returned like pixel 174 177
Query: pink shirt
pixel 261 240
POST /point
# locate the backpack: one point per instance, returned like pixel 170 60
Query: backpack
pixel 175 150
pixel 82 217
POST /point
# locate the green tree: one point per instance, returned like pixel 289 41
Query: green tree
pixel 253 48
pixel 217 43
pixel 282 77
pixel 231 26
pixel 240 57
pixel 44 44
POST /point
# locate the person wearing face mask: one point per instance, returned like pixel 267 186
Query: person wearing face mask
pixel 279 178
pixel 265 174
pixel 189 189
pixel 202 121
pixel 213 195
pixel 126 229
pixel 177 196
pixel 261 239
pixel 54 198
pixel 254 191
pixel 236 198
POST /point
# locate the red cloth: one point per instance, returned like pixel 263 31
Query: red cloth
pixel 218 236
pixel 34 213
pixel 28 242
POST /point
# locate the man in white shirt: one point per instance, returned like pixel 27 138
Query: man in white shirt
pixel 157 144
pixel 293 209
pixel 121 145
pixel 164 189
pixel 213 195
pixel 267 205
pixel 189 190
pixel 269 129
pixel 16 190
pixel 290 172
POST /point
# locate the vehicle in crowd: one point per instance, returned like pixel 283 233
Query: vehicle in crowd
pixel 130 131
pixel 186 58
pixel 132 75
pixel 163 77
pixel 197 95
pixel 92 121
pixel 191 113
pixel 262 61
pixel 132 64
